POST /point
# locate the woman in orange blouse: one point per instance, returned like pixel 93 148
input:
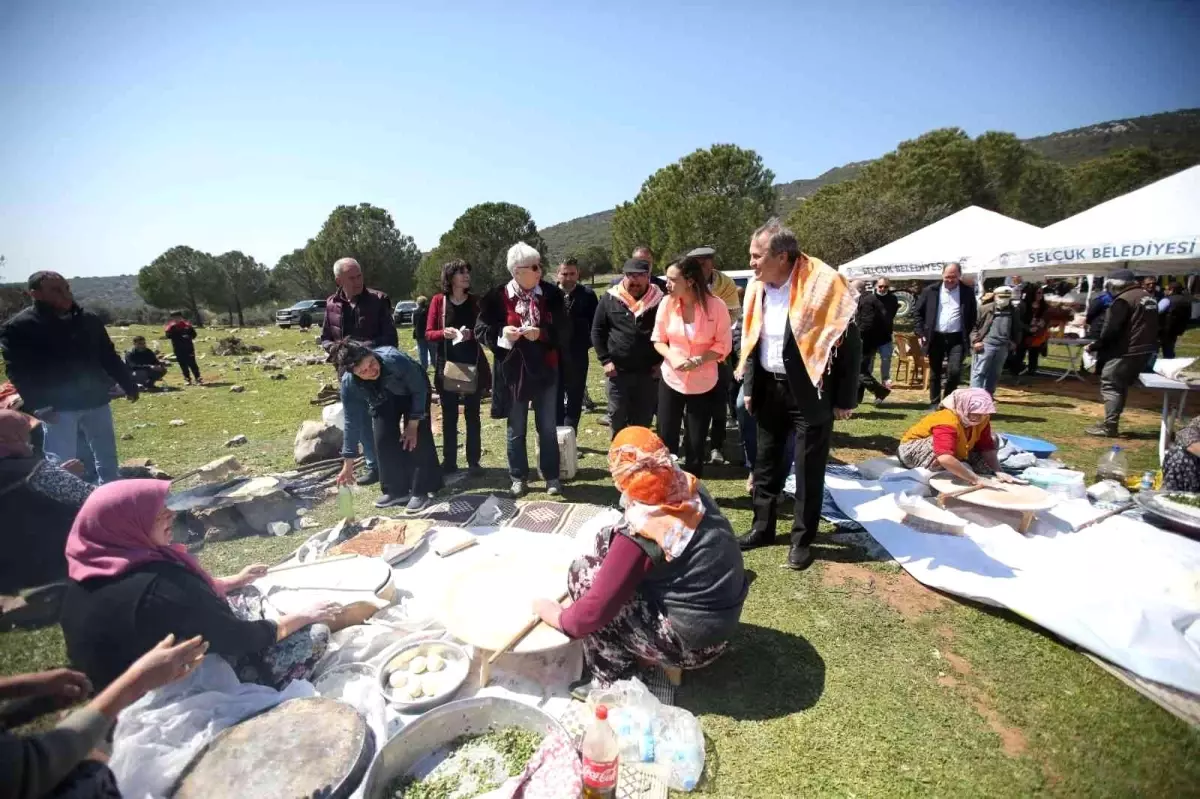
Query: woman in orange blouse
pixel 692 333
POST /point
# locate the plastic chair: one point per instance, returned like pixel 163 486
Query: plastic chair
pixel 911 361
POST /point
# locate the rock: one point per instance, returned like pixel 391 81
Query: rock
pixel 279 376
pixel 268 366
pixel 221 524
pixel 236 389
pixel 177 423
pixel 279 528
pixel 236 368
pixel 143 425
pixel 237 441
pixel 317 441
pixel 127 436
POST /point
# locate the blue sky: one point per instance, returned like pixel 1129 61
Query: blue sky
pixel 130 127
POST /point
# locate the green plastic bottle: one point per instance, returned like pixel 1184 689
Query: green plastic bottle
pixel 346 503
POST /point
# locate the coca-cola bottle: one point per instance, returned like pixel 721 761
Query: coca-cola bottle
pixel 601 753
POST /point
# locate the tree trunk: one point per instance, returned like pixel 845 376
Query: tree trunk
pixel 238 302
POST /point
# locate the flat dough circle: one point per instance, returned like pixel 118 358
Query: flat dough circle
pixel 1012 497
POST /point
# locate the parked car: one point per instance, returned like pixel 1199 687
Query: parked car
pixel 403 314
pixel 305 314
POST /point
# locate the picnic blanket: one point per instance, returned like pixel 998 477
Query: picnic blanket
pixel 1122 589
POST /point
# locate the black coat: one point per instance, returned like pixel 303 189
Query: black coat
pixel 839 388
pixel 581 308
pixel 874 321
pixel 926 311
pixel 621 339
pixel 66 363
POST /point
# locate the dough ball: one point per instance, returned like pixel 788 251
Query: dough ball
pixel 431 686
pixel 434 663
pixel 397 679
pixel 417 666
pixel 402 660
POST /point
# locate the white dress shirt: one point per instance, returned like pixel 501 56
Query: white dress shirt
pixel 774 325
pixel 949 310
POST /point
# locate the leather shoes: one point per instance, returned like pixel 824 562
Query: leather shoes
pixel 368 479
pixel 799 557
pixel 754 541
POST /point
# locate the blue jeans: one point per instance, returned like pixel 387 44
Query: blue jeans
pixel 985 370
pixel 358 406
pixel 544 413
pixel 95 425
pixel 425 351
pixel 885 361
pixel 749 431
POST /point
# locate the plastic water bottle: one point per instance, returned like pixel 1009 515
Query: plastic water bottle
pixel 345 503
pixel 1113 466
pixel 601 758
pixel 1147 482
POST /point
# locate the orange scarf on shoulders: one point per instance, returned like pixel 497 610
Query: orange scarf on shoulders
pixel 820 308
pixel 650 299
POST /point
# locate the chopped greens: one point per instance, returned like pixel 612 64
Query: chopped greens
pixel 1191 500
pixel 475 764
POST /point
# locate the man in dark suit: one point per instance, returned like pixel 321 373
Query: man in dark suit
pixel 779 388
pixel 945 316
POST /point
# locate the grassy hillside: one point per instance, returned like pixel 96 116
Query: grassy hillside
pixel 1175 130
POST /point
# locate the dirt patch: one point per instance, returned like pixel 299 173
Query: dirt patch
pixel 901 592
pixel 1012 740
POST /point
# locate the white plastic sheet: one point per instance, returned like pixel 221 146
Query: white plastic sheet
pixel 1122 589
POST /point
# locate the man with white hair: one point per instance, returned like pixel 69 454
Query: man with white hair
pixel 525 324
pixel 1127 341
pixel 364 316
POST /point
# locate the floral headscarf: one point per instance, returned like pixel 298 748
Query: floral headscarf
pixel 972 406
pixel 662 502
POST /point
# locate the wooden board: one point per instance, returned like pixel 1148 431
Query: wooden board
pixel 1019 498
pixel 490 594
pixel 349 581
pixel 305 747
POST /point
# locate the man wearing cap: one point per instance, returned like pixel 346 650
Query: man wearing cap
pixel 621 331
pixel 1128 340
pixel 996 334
pixel 725 290
pixel 63 364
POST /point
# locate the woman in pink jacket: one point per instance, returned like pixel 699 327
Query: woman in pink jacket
pixel 692 333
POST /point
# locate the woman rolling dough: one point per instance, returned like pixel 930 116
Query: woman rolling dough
pixel 666 584
pixel 958 438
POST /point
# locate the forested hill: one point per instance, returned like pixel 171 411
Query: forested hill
pixel 1176 130
pixel 115 291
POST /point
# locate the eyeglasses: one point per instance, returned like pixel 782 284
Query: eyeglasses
pixel 533 268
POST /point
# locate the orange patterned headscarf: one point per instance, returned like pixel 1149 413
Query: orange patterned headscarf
pixel 820 308
pixel 662 502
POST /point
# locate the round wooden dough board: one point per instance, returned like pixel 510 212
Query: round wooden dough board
pixel 305 747
pixel 1013 497
pixel 490 597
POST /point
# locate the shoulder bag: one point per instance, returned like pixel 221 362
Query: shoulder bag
pixel 458 378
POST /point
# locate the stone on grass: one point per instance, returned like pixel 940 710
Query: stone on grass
pixel 279 528
pixel 236 389
pixel 177 423
pixel 278 376
pixel 317 441
pixel 237 441
pixel 127 436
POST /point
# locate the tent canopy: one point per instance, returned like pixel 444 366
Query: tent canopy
pixel 922 254
pixel 1154 230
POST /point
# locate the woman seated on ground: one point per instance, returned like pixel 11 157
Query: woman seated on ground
pixel 130 587
pixel 1181 464
pixel 38 503
pixel 692 333
pixel 54 763
pixel 395 387
pixel 958 438
pixel 665 585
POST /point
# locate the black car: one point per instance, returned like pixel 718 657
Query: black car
pixel 404 312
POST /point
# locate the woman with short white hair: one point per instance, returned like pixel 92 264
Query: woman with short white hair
pixel 523 323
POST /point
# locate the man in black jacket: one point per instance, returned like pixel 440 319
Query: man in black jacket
pixel 945 316
pixel 780 393
pixel 580 304
pixel 1175 313
pixel 621 331
pixel 1129 339
pixel 63 364
pixel 875 329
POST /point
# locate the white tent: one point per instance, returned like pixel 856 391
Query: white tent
pixel 920 255
pixel 1153 230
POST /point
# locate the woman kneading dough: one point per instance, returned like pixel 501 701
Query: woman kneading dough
pixel 958 438
pixel 130 587
pixel 666 584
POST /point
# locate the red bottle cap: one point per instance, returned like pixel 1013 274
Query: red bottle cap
pixel 602 712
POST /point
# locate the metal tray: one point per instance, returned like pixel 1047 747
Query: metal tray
pixel 1161 515
pixel 455 651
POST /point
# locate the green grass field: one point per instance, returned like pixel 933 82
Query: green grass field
pixel 848 679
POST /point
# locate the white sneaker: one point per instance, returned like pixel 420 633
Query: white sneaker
pixel 554 487
pixel 518 488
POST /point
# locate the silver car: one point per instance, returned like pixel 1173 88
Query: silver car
pixel 304 314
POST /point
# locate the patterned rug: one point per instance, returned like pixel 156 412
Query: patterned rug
pixel 468 510
pixel 554 518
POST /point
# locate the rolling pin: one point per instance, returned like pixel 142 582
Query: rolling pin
pixel 1106 515
pixel 941 501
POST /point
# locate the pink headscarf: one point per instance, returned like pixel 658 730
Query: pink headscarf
pixel 970 403
pixel 111 534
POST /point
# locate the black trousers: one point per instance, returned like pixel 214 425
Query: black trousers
pixel 721 409
pixel 403 471
pixel 632 399
pixel 572 383
pixel 776 415
pixel 1168 345
pixel 672 406
pixel 866 380
pixel 945 357
pixel 188 365
pixel 450 405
